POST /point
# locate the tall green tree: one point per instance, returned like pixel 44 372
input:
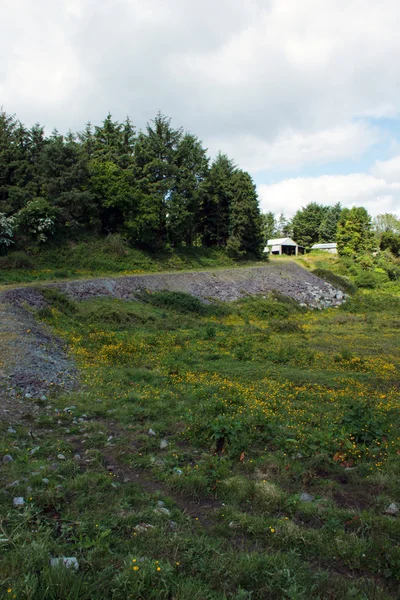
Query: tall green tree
pixel 155 169
pixel 354 234
pixel 386 222
pixel 246 237
pixel 328 228
pixel 216 197
pixel 191 164
pixel 64 166
pixel 269 225
pixel 306 224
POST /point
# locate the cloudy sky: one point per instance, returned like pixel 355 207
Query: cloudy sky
pixel 304 94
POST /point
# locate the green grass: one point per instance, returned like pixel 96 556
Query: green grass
pixel 260 401
pixel 103 256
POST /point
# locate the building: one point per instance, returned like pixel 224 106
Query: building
pixel 283 246
pixel 331 248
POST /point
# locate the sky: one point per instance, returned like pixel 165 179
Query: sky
pixel 305 95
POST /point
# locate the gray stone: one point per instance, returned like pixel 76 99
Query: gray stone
pixel 34 450
pixel 161 510
pixel 11 430
pixel 69 562
pixel 392 509
pixel 143 527
pixel 172 524
pixel 13 484
pixel 18 502
pixel 77 456
pixel 28 395
pixel 151 432
pixel 60 456
pixel 7 458
pixel 45 480
pixel 163 444
pixel 307 497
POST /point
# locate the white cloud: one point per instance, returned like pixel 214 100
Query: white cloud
pixel 293 149
pixel 377 194
pixel 278 84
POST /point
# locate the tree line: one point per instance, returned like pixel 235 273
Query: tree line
pixel 353 229
pixel 157 187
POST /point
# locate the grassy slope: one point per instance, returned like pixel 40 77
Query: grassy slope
pixel 260 401
pixel 97 257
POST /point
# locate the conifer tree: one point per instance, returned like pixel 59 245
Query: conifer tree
pixel 216 195
pixel 245 223
pixel 354 235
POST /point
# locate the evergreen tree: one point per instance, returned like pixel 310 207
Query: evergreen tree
pixel 216 195
pixel 328 228
pixel 155 169
pixel 64 166
pixel 307 222
pixel 270 225
pixel 283 227
pixel 246 236
pixel 183 204
pixel 354 235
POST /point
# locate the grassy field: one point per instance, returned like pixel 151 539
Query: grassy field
pixel 241 451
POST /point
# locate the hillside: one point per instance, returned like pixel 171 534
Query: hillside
pixel 204 450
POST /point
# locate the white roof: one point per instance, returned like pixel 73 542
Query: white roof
pixel 322 246
pixel 281 242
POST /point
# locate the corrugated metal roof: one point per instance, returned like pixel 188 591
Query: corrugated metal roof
pixel 323 246
pixel 281 242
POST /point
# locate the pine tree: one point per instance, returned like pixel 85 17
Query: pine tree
pixel 183 204
pixel 155 168
pixel 216 195
pixel 269 226
pixel 245 223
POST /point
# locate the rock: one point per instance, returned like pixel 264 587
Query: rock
pixel 178 471
pixel 160 503
pixel 233 525
pixel 11 430
pixel 45 480
pixel 143 527
pixel 60 456
pixel 18 502
pixel 69 409
pixel 28 395
pixel 77 456
pixel 34 450
pixel 307 497
pixel 69 562
pixel 161 510
pixel 7 458
pixel 151 432
pixel 163 444
pixel 13 484
pixel 172 524
pixel 392 509
pixel 43 398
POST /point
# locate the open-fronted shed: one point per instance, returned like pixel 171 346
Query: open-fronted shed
pixel 283 246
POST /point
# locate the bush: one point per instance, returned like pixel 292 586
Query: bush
pixel 366 279
pixel 337 281
pixel 20 260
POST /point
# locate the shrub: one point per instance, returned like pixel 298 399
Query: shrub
pixel 7 225
pixel 337 281
pixel 19 260
pixel 37 219
pixel 366 279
